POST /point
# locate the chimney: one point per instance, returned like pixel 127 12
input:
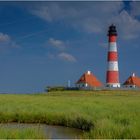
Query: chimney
pixel 133 75
pixel 88 72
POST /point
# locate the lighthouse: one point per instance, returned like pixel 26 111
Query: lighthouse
pixel 112 75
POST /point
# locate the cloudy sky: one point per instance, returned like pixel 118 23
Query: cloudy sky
pixel 49 43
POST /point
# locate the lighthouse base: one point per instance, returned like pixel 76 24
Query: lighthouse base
pixel 113 85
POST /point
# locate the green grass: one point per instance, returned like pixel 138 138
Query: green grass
pixel 24 133
pixel 104 114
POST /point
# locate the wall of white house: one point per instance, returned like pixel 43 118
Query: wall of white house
pixel 130 86
pixel 82 85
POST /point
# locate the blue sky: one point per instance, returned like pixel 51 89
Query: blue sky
pixel 49 43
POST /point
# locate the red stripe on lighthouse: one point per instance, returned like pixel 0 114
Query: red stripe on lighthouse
pixel 112 38
pixel 112 77
pixel 112 56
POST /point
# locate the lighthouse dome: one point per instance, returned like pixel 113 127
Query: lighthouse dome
pixel 112 30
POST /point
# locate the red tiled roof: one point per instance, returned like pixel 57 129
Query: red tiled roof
pixel 90 79
pixel 133 80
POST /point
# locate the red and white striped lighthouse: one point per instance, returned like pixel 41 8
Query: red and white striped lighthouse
pixel 112 75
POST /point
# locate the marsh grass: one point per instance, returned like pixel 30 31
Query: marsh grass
pixel 104 114
pixel 24 133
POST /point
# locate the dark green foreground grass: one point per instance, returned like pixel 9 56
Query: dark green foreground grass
pixel 24 133
pixel 104 114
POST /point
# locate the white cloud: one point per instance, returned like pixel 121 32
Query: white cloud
pixel 43 13
pixel 4 38
pixel 129 27
pixel 92 17
pixel 88 16
pixel 67 57
pixel 6 42
pixel 135 8
pixel 59 44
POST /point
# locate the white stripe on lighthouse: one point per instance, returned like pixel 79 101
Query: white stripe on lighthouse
pixel 112 47
pixel 113 66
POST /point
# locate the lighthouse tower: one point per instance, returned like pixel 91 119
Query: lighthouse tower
pixel 112 75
